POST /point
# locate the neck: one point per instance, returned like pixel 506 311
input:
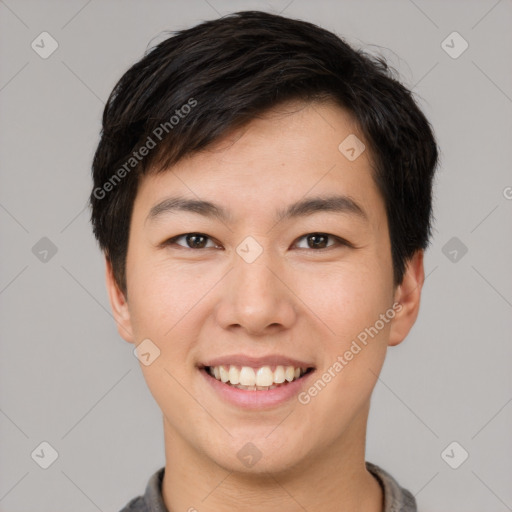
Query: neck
pixel 335 479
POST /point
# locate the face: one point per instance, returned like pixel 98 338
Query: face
pixel 242 284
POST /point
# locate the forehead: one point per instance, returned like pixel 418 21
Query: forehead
pixel 292 152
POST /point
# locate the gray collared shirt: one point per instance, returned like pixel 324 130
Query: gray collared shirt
pixel 396 499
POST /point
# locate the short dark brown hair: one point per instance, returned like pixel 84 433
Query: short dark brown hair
pixel 195 86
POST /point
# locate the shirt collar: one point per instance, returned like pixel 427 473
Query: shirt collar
pixel 396 499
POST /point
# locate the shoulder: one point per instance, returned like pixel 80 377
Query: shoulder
pixel 396 498
pixel 152 500
pixel 135 505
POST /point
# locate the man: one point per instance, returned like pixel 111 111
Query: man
pixel 262 194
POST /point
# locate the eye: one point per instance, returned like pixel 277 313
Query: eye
pixel 319 241
pixel 192 241
pixel 200 241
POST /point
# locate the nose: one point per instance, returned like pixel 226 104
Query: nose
pixel 257 298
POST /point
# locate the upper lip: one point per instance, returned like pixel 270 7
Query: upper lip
pixel 256 362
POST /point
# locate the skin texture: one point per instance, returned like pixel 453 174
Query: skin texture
pixel 294 299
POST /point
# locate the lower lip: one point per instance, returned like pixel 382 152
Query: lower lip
pixel 257 399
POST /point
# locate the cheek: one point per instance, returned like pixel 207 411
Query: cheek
pixel 349 302
pixel 162 308
pixel 346 299
pixel 162 297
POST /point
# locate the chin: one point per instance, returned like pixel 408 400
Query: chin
pixel 257 455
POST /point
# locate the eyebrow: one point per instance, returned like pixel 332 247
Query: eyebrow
pixel 336 204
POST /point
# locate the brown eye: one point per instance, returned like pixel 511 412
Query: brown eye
pixel 317 241
pixel 320 241
pixel 192 241
pixel 196 241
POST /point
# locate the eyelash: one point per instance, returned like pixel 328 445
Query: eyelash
pixel 339 241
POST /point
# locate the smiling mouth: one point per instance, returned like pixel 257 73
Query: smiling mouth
pixel 263 378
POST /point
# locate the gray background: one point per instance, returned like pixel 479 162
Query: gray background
pixel 67 378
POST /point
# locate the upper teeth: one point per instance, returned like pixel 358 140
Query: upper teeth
pixel 264 376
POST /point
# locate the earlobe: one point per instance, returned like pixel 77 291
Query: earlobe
pixel 118 304
pixel 408 295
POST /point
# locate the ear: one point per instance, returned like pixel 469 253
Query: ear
pixel 118 304
pixel 408 294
